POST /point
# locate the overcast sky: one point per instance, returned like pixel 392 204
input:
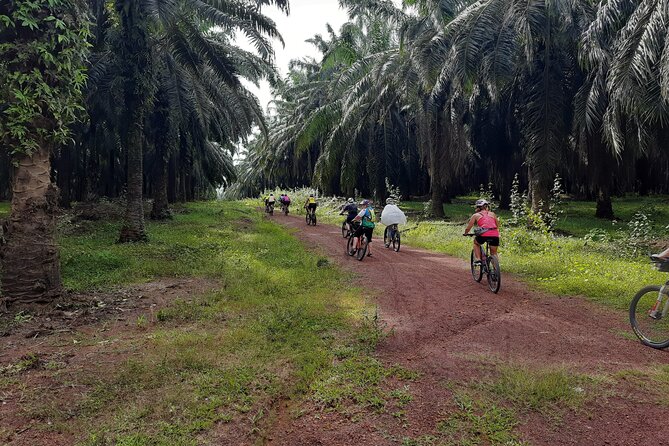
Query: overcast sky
pixel 307 18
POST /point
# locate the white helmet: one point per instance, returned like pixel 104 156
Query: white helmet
pixel 481 202
pixel 351 200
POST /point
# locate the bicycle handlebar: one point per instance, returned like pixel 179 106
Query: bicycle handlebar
pixel 469 235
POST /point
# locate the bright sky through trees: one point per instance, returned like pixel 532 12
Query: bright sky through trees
pixel 307 18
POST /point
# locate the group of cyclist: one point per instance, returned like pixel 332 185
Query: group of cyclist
pixel 361 218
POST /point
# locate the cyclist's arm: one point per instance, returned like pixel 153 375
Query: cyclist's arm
pixel 470 225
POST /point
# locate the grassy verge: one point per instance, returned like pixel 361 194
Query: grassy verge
pixel 284 324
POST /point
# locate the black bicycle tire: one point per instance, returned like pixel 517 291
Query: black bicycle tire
pixel 313 219
pixel 494 287
pixel 633 322
pixel 308 219
pixel 362 251
pixel 474 268
pixel 397 241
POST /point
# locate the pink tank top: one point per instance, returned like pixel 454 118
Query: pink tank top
pixel 488 222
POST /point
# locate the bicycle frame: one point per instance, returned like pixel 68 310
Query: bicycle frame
pixel 655 312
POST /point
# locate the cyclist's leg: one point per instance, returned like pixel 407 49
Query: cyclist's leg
pixel 494 244
pixel 368 233
pixel 477 248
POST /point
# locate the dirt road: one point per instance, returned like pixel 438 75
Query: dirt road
pixel 454 330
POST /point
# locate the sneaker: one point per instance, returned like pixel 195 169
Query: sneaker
pixel 369 254
pixel 387 245
pixel 477 262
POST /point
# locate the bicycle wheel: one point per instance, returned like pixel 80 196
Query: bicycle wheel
pixel 313 219
pixel 648 317
pixel 396 242
pixel 350 245
pixel 494 274
pixel 308 218
pixel 477 270
pixel 362 251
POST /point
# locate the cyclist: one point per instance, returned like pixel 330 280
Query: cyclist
pixel 269 202
pixel 366 217
pixel 286 200
pixel 391 216
pixel 311 204
pixel 351 209
pixel 487 231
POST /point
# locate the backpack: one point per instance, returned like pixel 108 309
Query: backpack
pixel 367 222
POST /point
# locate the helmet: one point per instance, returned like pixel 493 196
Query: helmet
pixel 481 202
pixel 271 195
pixel 311 195
pixel 351 200
pixel 364 203
pixel 390 201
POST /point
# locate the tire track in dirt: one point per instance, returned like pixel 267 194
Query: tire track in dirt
pixel 446 326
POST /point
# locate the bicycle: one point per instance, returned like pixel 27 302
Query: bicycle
pixel 311 217
pixel 489 264
pixel 346 229
pixel 357 246
pixel 284 208
pixel 649 311
pixel 269 208
pixel 392 237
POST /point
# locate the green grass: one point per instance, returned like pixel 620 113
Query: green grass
pixel 283 324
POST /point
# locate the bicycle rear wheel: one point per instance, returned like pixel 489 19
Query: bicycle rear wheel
pixel 396 241
pixel 477 270
pixel 362 251
pixel 313 219
pixel 494 274
pixel 350 245
pixel 646 316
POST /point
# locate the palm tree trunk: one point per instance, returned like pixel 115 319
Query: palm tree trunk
pixel 161 209
pixel 133 222
pixel 539 191
pixel 437 200
pixel 29 255
pixel 604 204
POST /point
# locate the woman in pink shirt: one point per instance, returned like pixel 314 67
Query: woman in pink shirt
pixel 488 230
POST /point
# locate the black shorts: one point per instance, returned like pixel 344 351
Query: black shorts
pixel 362 230
pixel 312 206
pixel 492 241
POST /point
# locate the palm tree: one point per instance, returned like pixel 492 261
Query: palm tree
pixel 180 30
pixel 41 80
pixel 524 51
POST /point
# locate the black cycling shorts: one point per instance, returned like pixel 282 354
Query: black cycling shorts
pixel 313 206
pixel 492 241
pixel 363 230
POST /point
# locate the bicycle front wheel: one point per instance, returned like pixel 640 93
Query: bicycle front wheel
pixel 494 274
pixel 649 318
pixel 308 218
pixel 362 251
pixel 396 242
pixel 477 270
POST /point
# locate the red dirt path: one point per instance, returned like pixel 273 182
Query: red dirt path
pixel 452 329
